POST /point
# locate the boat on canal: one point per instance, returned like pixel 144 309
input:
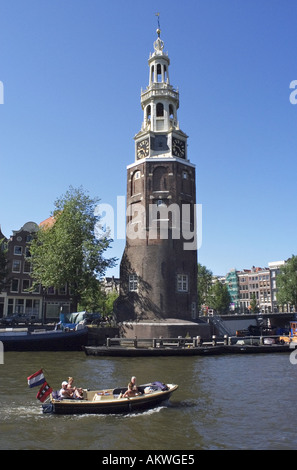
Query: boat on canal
pixel 110 401
pixel 21 339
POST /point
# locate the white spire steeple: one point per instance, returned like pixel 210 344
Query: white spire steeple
pixel 160 102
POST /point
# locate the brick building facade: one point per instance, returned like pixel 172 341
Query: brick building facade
pixel 16 298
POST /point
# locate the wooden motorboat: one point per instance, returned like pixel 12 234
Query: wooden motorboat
pixel 110 401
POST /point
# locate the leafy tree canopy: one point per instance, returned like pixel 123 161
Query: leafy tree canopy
pixel 219 298
pixel 69 250
pixel 286 282
pixel 204 284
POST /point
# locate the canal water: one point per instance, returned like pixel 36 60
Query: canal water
pixel 223 402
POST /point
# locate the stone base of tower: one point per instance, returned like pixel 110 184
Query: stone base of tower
pixel 156 296
pixel 169 328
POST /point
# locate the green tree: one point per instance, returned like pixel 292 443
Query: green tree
pixel 109 300
pixel 204 283
pixel 286 282
pixel 97 300
pixel 253 304
pixel 92 298
pixel 219 298
pixel 69 250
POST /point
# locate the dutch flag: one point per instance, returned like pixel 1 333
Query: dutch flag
pixel 36 379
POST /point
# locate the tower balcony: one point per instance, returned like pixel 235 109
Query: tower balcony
pixel 155 92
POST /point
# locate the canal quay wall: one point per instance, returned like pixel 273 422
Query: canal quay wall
pixel 98 336
pixel 169 328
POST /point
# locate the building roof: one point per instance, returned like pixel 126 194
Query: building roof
pixel 49 222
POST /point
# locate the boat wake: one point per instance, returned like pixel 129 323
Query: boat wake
pixel 12 411
pixel 149 412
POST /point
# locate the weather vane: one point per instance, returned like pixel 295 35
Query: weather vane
pixel 158 30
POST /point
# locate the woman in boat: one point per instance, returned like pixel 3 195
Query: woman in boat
pixel 133 381
pixel 76 392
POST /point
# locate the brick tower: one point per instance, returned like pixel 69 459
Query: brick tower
pixel 158 270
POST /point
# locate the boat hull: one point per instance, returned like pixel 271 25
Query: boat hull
pixel 181 351
pixel 108 405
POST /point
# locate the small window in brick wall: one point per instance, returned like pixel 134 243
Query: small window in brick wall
pixel 133 283
pixel 182 283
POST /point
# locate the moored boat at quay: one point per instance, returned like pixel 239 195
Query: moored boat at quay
pixel 21 339
pixel 180 347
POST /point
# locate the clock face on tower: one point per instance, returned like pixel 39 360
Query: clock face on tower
pixel 178 148
pixel 142 149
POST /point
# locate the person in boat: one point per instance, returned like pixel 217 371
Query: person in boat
pixel 133 382
pixel 65 392
pixel 77 392
pixel 130 392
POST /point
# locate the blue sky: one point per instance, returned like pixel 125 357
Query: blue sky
pixel 72 73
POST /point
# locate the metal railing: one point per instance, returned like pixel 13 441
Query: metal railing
pixel 194 342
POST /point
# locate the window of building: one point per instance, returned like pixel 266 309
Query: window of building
pixel 27 267
pixel 19 306
pixel 36 289
pixel 160 202
pixel 133 283
pixel 53 309
pixel 18 250
pixel 62 290
pixel 16 266
pixel 14 285
pixel 25 285
pixel 36 306
pixel 182 283
pixel 10 309
pixel 160 179
pixel 136 183
pixel 160 110
pixel 159 73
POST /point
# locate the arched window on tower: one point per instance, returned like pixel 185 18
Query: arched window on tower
pixel 160 110
pixel 186 183
pixel 152 73
pixel 160 179
pixel 159 73
pixel 148 113
pixel 136 183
